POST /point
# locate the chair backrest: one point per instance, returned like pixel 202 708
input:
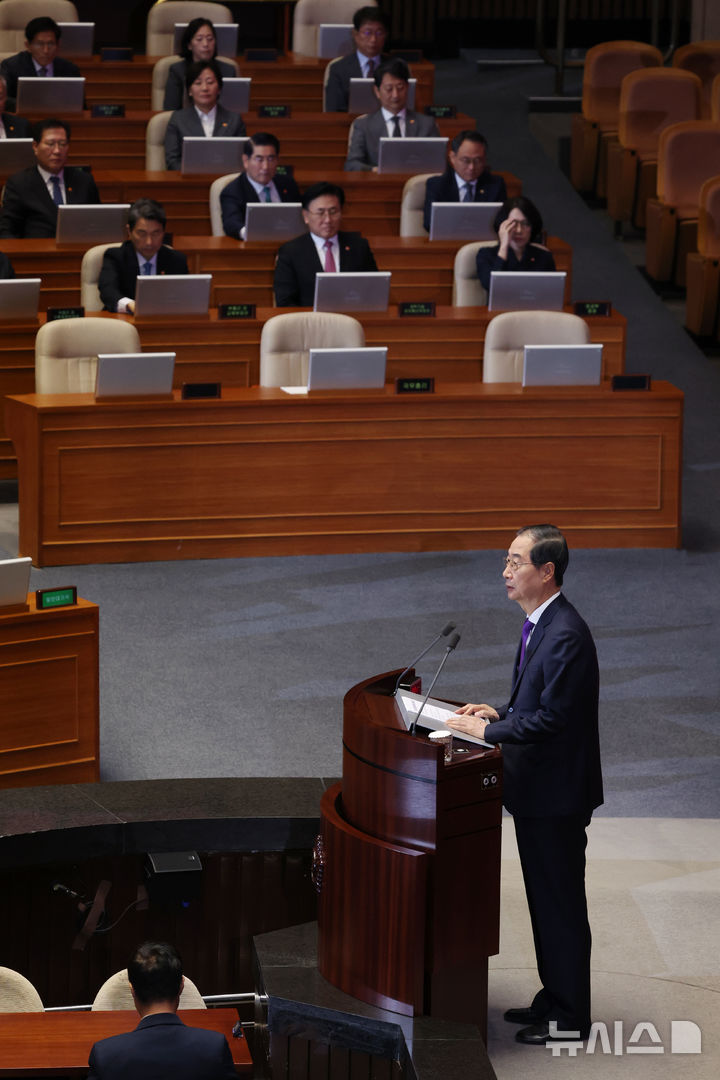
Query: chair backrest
pixel 17 994
pixel 702 58
pixel 216 188
pixel 155 141
pixel 508 334
pixel 467 290
pixel 708 239
pixel 286 341
pixel 16 14
pixel 115 994
pixel 651 100
pixel 308 16
pixel 162 16
pixel 66 352
pixel 160 78
pixel 89 276
pixel 688 155
pixel 606 65
pixel 412 204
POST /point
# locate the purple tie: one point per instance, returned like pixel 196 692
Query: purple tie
pixel 526 632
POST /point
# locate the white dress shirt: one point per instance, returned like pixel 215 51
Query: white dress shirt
pixel 207 119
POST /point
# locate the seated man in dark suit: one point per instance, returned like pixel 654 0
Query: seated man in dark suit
pixel 39 57
pixel 33 195
pixel 161 1045
pixel 257 184
pixel 14 127
pixel 467 178
pixel 392 119
pixel 323 248
pixel 369 33
pixel 142 253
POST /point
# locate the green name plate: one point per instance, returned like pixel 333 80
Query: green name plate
pixel 236 311
pixel 416 308
pixel 46 599
pixel 415 386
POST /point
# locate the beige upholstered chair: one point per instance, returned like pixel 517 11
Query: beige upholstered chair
pixel 287 339
pixel 115 994
pixel 17 994
pixel 467 290
pixel 507 335
pixel 160 27
pixel 66 352
pixel 308 16
pixel 155 141
pixel 160 78
pixel 90 275
pixel 412 204
pixel 16 14
pixel 216 189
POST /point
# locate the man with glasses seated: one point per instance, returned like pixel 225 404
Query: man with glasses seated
pixel 467 177
pixel 258 183
pixel 33 195
pixel 143 254
pixel 39 58
pixel 369 34
pixel 323 248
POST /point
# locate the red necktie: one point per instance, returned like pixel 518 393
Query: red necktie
pixel 330 267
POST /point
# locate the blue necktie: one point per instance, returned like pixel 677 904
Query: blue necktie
pixel 468 193
pixel 56 192
pixel 267 193
pixel 146 268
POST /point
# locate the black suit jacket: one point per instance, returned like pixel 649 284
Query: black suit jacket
pixel 175 86
pixel 549 727
pixel 187 122
pixel 298 262
pixel 162 1046
pixel 6 267
pixel 16 127
pixel 21 65
pixel 119 271
pixel 28 210
pixel 534 258
pixel 337 91
pixel 239 192
pixel 489 187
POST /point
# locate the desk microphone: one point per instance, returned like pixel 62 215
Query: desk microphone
pixel 447 629
pixel 452 643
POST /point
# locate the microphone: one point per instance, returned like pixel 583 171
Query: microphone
pixel 447 629
pixel 452 644
pixel 58 887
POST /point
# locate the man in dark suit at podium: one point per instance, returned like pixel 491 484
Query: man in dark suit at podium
pixel 467 177
pixel 552 778
pixel 161 1045
pixel 143 253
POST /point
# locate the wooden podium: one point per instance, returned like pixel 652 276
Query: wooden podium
pixel 409 865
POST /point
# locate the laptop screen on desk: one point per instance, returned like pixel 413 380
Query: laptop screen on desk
pixel 172 294
pixel 520 290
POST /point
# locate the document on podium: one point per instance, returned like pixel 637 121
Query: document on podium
pixel 435 715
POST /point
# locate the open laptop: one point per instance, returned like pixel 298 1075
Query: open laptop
pixel 273 221
pixel 54 97
pixel 218 154
pixel 334 39
pixel 19 298
pixel 362 99
pixel 362 291
pixel 78 38
pixel 562 365
pixel 81 223
pixel 226 38
pixel 134 375
pixel 527 290
pixel 347 369
pixel 412 155
pixel 16 154
pixel 463 220
pixel 235 94
pixel 172 294
pixel 14 581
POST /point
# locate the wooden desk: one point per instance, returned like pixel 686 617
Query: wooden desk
pixel 449 347
pixel 49 716
pixel 59 1043
pixel 264 473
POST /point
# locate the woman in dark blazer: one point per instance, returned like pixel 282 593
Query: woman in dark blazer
pixel 198 43
pixel 519 228
pixel 204 83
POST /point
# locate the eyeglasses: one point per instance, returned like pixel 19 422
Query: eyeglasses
pixel 471 161
pixel 372 33
pixel 61 144
pixel 515 564
pixel 332 212
pixel 260 158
